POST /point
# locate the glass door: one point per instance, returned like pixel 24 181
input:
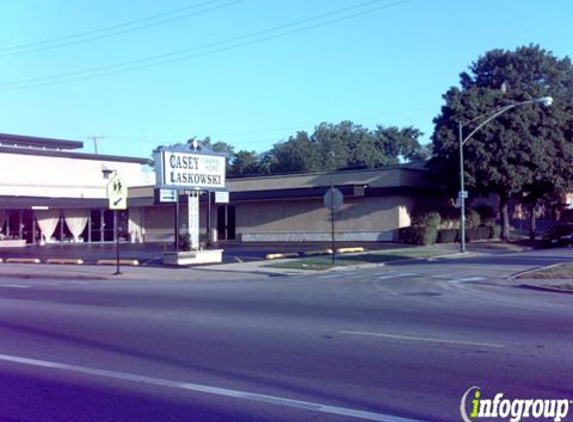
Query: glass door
pixel 95 226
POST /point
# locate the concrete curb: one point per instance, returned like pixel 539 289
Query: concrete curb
pixel 350 250
pixel 548 289
pixel 317 252
pixel 23 261
pixel 129 262
pixel 271 256
pixel 59 276
pixel 64 261
pixel 532 270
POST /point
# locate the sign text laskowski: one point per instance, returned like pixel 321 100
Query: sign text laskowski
pixel 189 170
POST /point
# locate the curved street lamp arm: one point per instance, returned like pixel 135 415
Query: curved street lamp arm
pixel 489 119
pixel 542 100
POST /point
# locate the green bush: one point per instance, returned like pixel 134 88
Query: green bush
pixel 429 219
pixel 184 242
pixel 483 233
pixel 473 219
pixel 429 235
pixel 471 233
pixel 416 235
pixel 447 235
pixel 487 215
pixel 495 231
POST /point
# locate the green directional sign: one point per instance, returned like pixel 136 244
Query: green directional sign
pixel 117 193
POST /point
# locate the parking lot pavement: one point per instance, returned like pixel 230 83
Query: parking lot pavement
pixel 149 254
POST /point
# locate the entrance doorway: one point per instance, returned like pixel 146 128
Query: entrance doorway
pixel 226 222
pixel 102 226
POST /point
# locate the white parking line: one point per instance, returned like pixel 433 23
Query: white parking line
pixel 463 280
pixel 16 286
pixel 409 338
pixel 274 400
pixel 386 277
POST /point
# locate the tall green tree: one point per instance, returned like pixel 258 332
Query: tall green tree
pixel 296 155
pixel 345 145
pixel 247 163
pixel 524 150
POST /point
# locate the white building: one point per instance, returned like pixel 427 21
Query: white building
pixel 48 181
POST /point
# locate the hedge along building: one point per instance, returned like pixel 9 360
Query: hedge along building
pixel 49 192
pixel 290 208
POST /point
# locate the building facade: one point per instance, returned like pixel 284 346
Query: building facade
pixel 50 193
pixel 290 208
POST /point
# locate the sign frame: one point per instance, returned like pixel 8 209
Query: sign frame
pixel 117 193
pixel 184 168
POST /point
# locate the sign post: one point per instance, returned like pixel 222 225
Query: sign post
pixel 333 199
pixel 117 197
pixel 193 169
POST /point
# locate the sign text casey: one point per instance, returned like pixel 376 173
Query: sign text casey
pixel 193 170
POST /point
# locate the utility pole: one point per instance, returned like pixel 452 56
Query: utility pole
pixel 94 139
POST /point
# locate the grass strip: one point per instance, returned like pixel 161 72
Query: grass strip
pixel 554 272
pixel 324 263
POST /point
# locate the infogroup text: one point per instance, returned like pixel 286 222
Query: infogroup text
pixel 474 406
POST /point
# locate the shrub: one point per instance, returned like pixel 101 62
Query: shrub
pixel 416 235
pixel 447 235
pixel 429 219
pixel 429 235
pixel 471 233
pixel 184 242
pixel 450 223
pixel 495 231
pixel 483 233
pixel 473 219
pixel 487 214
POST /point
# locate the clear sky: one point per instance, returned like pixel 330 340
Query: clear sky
pixel 248 72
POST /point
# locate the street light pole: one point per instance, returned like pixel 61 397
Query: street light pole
pixel 544 101
pixel 461 195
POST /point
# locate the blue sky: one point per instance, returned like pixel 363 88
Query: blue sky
pixel 389 64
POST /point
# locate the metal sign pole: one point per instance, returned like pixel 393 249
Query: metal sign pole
pixel 332 219
pixel 117 268
pixel 176 225
pixel 208 219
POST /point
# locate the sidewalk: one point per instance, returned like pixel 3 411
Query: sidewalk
pixel 228 270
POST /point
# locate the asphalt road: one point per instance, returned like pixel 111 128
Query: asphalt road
pixel 400 341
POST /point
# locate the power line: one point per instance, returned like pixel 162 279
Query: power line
pixel 45 45
pixel 196 48
pixel 69 77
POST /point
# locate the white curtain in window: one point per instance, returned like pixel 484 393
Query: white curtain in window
pixel 76 220
pixel 47 221
pixel 2 220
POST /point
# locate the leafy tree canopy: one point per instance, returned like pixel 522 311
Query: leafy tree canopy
pixel 525 151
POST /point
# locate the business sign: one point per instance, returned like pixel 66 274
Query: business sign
pixel 221 197
pixel 161 196
pixel 190 170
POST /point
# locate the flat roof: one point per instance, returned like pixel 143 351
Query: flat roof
pixel 77 155
pixel 38 142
